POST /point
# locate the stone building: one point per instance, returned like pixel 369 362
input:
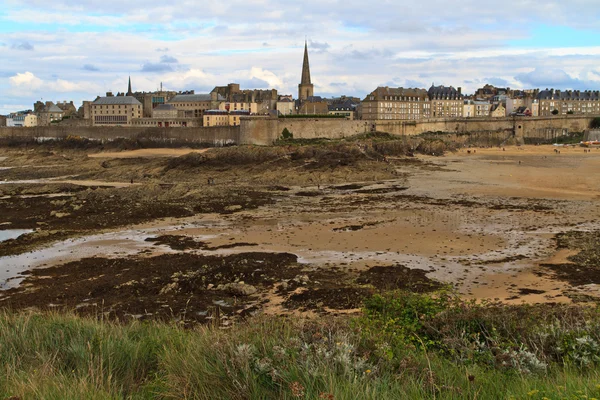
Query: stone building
pixel 194 105
pixel 482 108
pixel 115 110
pixel 265 99
pixel 498 111
pixel 286 105
pixel 468 109
pixel 446 102
pixel 346 109
pixel 68 108
pixel 313 105
pixel 386 103
pixel 223 117
pixel 568 102
pixel 2 121
pixel 48 113
pixel 23 119
pixel 164 111
pixel 305 88
pixel 251 108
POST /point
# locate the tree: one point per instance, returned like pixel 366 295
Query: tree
pixel 286 134
pixel 555 112
pixel 570 112
pixel 595 124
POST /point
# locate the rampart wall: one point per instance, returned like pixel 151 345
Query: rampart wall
pixel 264 131
pixel 214 136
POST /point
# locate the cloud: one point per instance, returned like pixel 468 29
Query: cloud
pixel 168 59
pixel 28 81
pixel 163 50
pixel 548 77
pixel 22 46
pixel 90 67
pixel 318 47
pixel 159 67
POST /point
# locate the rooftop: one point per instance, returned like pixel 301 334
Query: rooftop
pixel 114 100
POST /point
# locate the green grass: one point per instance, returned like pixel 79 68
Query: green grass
pixel 396 350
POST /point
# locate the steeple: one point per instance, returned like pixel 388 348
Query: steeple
pixel 129 92
pixel 305 88
pixel 305 67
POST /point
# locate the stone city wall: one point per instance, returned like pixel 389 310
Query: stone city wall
pixel 265 130
pixel 215 136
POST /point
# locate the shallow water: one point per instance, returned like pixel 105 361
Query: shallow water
pixel 12 234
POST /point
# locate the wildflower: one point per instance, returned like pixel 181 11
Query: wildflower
pixel 533 392
pixel 368 371
pixel 297 389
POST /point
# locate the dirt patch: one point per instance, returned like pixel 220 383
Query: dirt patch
pixel 332 298
pixel 181 286
pixel 352 186
pixel 398 277
pixel 383 190
pixel 181 243
pixel 526 291
pixel 584 267
pixel 508 259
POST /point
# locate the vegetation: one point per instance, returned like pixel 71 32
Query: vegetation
pixel 312 116
pixel 570 138
pixel 555 112
pixel 595 124
pixel 404 345
pixel 286 134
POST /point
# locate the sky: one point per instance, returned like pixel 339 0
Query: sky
pixel 77 50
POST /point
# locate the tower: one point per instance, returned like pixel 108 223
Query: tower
pixel 129 92
pixel 305 88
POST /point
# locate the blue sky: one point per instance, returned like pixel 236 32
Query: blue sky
pixel 77 50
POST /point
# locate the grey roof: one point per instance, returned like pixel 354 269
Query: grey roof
pixel 113 100
pixel 165 107
pixel 443 92
pixel 52 109
pixel 568 95
pixel 400 92
pixel 190 97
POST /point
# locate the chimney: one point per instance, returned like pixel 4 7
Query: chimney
pixel 459 90
pixel 109 94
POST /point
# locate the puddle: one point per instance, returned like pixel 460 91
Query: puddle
pixel 12 234
pixel 112 244
pixel 147 153
pixel 33 196
pixel 70 181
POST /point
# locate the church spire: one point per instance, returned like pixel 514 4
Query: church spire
pixel 305 88
pixel 305 67
pixel 129 92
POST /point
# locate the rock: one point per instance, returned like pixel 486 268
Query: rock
pixel 233 208
pixel 303 279
pixel 241 289
pixel 284 286
pixel 210 286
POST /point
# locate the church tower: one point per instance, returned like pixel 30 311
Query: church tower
pixel 305 88
pixel 129 92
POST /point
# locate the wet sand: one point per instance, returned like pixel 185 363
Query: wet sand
pixel 484 222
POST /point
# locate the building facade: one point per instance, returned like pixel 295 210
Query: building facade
pixel 498 111
pixel 446 102
pixel 568 102
pixel 386 103
pixel 115 110
pixel 48 114
pixel 194 105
